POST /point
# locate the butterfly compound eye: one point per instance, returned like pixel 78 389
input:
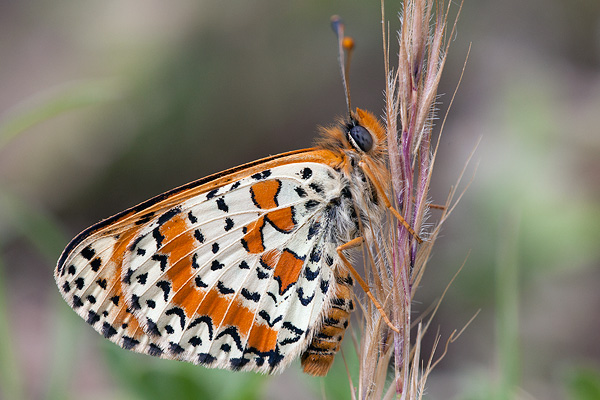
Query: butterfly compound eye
pixel 360 138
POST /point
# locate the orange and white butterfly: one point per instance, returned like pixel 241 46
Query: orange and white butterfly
pixel 244 269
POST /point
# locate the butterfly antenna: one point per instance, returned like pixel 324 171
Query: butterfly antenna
pixel 345 46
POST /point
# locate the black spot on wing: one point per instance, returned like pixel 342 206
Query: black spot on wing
pixel 152 328
pixel 192 218
pixel 158 237
pixel 95 264
pixel 292 328
pixel 233 333
pixel 77 302
pixel 306 173
pixel 238 363
pixel 212 194
pixel 205 319
pixel 216 265
pixel 221 205
pixel 205 359
pixel 180 313
pixel 168 215
pixel 200 283
pixel 311 275
pixel 315 255
pixel 175 348
pixel 102 283
pixel 295 330
pixel 135 243
pixel 301 192
pixel 162 259
pixel 316 187
pixel 252 296
pixel 141 278
pixel 264 315
pixel 304 300
pixel 165 286
pixel 127 276
pixel 93 317
pixel 324 286
pixel 135 302
pixel 195 264
pixel 244 265
pixel 88 253
pixel 154 350
pixel 129 342
pixel 215 248
pixel 223 289
pixel 199 236
pixel 108 330
pixel 261 175
pixel 79 283
pixel 260 274
pixel 228 224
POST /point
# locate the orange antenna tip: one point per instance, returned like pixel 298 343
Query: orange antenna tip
pixel 348 43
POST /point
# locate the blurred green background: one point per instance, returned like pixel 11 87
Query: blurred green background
pixel 105 104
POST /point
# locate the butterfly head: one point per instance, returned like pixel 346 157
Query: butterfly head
pixel 361 136
pixel 364 132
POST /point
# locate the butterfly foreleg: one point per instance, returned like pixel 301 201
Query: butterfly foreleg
pixel 350 245
pixel 387 202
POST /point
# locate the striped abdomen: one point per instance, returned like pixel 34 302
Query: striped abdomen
pixel 318 357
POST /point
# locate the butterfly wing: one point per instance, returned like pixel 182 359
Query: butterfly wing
pixel 231 272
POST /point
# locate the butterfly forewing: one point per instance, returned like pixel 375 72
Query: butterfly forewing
pixel 235 275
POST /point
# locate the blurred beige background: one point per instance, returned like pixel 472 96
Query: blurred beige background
pixel 105 104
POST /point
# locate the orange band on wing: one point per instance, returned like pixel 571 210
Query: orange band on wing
pixel 253 241
pixel 187 298
pixel 287 270
pixel 224 311
pixel 179 244
pixel 263 338
pixel 283 219
pixel 264 194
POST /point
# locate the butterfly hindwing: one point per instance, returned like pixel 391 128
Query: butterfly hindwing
pixel 234 276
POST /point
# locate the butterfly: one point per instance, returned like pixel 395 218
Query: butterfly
pixel 245 269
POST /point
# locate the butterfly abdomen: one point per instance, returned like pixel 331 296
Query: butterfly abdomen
pixel 320 353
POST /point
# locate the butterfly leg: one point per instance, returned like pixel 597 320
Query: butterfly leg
pixel 350 245
pixel 431 205
pixel 387 202
pixel 437 206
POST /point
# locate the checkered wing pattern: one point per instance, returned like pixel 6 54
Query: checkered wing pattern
pixel 237 277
